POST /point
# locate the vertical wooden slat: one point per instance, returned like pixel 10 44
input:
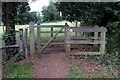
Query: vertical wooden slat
pixel 102 46
pixel 25 38
pixel 52 33
pixel 1 64
pixel 67 38
pixel 96 34
pixel 21 41
pixel 76 26
pixel 1 14
pixel 32 40
pixel 38 39
pixel 77 33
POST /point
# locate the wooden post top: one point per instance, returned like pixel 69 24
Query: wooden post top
pixel 66 24
pixel 38 23
pixel 31 24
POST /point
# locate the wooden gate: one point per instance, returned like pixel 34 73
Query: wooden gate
pixel 49 36
pixel 51 39
pixel 98 37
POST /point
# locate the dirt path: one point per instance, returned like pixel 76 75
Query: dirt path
pixel 56 64
pixel 52 64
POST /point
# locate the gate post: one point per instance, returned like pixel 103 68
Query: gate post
pixel 25 38
pixel 21 42
pixel 96 34
pixel 102 46
pixel 67 38
pixel 38 39
pixel 32 40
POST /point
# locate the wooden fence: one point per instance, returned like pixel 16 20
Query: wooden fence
pixel 67 38
pixel 86 40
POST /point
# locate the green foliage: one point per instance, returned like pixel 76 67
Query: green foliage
pixel 38 55
pixel 17 57
pixel 101 14
pixel 22 13
pixel 50 13
pixel 8 68
pixel 10 51
pixel 18 71
pixel 26 17
pixel 5 36
pixel 75 73
pixel 91 13
pixel 10 13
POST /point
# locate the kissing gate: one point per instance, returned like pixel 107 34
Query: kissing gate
pixel 66 37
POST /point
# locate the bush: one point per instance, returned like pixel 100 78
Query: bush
pixel 17 57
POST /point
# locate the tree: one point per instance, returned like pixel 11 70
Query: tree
pixel 26 17
pixel 89 13
pixel 22 13
pixel 50 13
pixel 34 16
pixel 97 13
pixel 9 13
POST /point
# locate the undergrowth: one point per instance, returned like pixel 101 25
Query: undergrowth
pixel 77 71
pixel 11 70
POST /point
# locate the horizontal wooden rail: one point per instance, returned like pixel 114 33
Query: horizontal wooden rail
pixel 87 53
pixel 51 26
pixel 82 37
pixel 89 29
pixel 50 37
pixel 54 43
pixel 10 46
pixel 52 32
pixel 86 42
pixel 72 38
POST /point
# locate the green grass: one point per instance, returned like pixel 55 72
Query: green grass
pixel 11 70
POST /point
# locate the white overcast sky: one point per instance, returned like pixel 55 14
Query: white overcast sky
pixel 37 5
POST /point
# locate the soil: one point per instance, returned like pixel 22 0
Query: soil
pixel 52 64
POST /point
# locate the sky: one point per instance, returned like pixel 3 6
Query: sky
pixel 37 5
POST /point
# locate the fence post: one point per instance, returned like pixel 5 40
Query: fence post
pixel 25 38
pixel 102 46
pixel 67 38
pixel 21 41
pixel 38 39
pixel 1 63
pixel 32 40
pixel 96 34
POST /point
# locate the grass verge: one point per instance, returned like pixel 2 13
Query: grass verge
pixel 11 70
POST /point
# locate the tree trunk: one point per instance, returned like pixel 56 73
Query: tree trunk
pixel 8 18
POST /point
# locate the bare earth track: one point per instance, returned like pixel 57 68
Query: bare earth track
pixel 52 64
